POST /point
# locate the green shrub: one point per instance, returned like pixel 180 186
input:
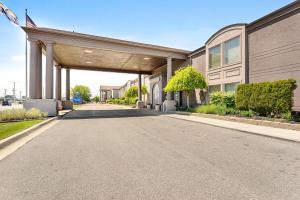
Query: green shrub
pixel 207 109
pixel 247 113
pixel 221 110
pixel 231 111
pixel 226 99
pixel 21 114
pixel 123 100
pixel 288 116
pixel 266 98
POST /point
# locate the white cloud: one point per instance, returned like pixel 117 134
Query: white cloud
pixel 18 58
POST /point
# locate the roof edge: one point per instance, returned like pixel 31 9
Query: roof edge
pixel 224 28
pixel 196 51
pixel 281 12
pixel 107 39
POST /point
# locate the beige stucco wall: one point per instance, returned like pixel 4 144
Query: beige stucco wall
pixel 232 72
pixel 274 53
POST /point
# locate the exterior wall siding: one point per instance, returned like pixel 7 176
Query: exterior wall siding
pixel 274 53
pixel 199 63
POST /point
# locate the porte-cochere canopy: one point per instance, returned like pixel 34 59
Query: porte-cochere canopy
pixel 88 52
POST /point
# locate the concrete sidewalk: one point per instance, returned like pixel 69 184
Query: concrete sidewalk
pixel 279 133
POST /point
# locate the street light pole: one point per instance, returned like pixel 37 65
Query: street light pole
pixel 14 90
pixel 5 93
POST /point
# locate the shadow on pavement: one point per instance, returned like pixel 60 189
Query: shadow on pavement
pixel 87 114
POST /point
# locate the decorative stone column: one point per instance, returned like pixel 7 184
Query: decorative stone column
pixel 169 75
pixel 58 83
pixel 49 71
pixel 35 83
pixel 39 73
pixel 140 87
pixel 33 70
pixel 169 104
pixel 140 103
pixel 67 84
pixel 67 104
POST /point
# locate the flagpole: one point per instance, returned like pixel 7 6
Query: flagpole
pixel 26 67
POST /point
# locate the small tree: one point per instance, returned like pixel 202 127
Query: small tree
pixel 96 99
pixel 84 91
pixel 186 79
pixel 132 92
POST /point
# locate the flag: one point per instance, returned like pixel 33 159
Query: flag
pixel 2 8
pixel 30 23
pixel 11 16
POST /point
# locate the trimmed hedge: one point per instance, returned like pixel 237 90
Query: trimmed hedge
pixel 266 98
pixel 125 101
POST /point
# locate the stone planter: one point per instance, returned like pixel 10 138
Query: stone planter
pixel 157 107
pixel 148 106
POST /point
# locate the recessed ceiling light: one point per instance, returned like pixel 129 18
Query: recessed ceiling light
pixel 88 62
pixel 88 51
pixel 146 58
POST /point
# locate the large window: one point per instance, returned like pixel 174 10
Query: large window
pixel 231 87
pixel 214 88
pixel 232 51
pixel 215 56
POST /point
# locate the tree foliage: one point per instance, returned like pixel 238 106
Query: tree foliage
pixel 84 91
pixel 96 99
pixel 186 79
pixel 132 92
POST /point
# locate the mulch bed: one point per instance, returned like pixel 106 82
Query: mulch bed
pixel 262 121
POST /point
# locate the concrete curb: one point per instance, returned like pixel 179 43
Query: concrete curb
pixel 289 136
pixel 7 141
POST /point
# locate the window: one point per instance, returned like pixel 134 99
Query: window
pixel 214 88
pixel 215 56
pixel 232 51
pixel 230 87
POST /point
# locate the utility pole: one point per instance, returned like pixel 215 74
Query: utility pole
pixel 5 93
pixel 14 90
pixel 20 95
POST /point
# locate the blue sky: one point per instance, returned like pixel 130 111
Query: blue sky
pixel 181 24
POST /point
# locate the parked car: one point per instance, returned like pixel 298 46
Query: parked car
pixel 6 103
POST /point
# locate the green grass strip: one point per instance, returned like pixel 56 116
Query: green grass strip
pixel 10 128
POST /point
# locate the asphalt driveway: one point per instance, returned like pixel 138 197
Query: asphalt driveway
pixel 108 152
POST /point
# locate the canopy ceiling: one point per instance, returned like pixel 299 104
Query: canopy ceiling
pixel 88 52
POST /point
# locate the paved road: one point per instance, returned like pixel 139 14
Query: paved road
pixel 144 156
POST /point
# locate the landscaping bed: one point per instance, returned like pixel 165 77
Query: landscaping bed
pixel 10 128
pixel 13 121
pixel 265 103
pixel 262 121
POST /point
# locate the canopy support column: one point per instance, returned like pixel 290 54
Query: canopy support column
pixel 140 103
pixel 49 71
pixel 67 84
pixel 169 104
pixel 58 83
